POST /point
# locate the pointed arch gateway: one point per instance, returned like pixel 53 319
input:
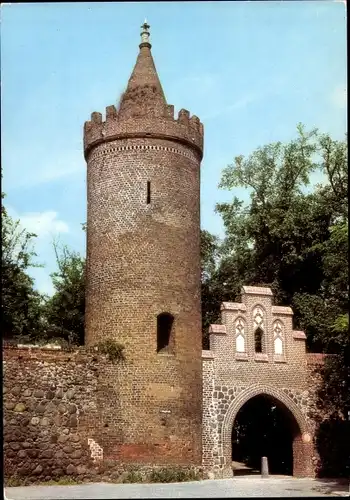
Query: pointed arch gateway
pixel 302 441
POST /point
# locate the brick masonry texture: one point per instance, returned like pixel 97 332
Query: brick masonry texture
pixel 143 259
pixel 231 378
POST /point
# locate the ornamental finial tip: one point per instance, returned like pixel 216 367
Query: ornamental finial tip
pixel 145 32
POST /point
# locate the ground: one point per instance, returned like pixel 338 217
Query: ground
pixel 240 487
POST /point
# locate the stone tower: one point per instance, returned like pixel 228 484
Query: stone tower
pixel 143 264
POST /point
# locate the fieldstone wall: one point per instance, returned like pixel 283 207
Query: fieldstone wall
pixel 62 417
pixel 50 410
pixel 315 362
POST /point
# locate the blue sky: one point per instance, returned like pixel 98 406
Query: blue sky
pixel 250 70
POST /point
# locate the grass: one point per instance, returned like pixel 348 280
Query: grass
pixel 132 477
pixel 163 475
pixel 157 475
pixel 173 475
pixel 15 481
pixel 62 481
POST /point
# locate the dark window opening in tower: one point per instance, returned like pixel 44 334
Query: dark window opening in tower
pixel 258 339
pixel 165 334
pixel 148 192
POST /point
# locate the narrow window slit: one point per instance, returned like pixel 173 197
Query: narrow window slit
pixel 148 192
pixel 165 333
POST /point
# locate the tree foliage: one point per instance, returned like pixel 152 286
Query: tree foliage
pixel 21 303
pixel 209 260
pixel 291 236
pixel 65 310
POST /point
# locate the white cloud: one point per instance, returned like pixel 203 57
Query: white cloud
pixel 43 282
pixel 201 87
pixel 47 226
pixel 43 223
pixel 57 171
pixel 269 88
pixel 339 97
pixel 201 84
pixel 42 171
pixel 241 103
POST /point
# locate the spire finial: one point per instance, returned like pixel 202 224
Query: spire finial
pixel 145 35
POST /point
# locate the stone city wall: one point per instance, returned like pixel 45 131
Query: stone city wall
pixel 62 417
pixel 49 404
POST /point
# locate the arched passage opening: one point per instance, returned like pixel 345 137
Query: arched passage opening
pixel 277 428
pixel 263 427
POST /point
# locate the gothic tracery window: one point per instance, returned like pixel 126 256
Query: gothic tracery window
pixel 240 335
pixel 278 337
pixel 258 318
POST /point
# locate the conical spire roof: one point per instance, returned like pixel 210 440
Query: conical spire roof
pixel 144 94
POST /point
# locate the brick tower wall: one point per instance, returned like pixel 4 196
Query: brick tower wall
pixel 144 259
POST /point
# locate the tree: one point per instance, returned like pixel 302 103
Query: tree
pixel 335 165
pixel 65 310
pixel 210 299
pixel 320 311
pixel 333 432
pixel 21 303
pixel 282 236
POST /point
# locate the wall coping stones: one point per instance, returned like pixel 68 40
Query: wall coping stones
pixel 217 329
pixel 41 354
pixel 241 356
pixel 206 354
pixel 35 346
pixel 262 357
pixel 299 335
pixel 278 358
pixel 256 290
pixel 233 306
pixel 282 310
pixel 318 358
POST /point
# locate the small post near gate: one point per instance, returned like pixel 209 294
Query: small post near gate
pixel 264 467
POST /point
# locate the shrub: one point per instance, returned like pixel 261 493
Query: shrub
pixel 14 481
pixel 132 477
pixel 114 350
pixel 172 475
pixel 62 481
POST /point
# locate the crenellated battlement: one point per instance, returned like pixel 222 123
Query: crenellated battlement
pixel 185 128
